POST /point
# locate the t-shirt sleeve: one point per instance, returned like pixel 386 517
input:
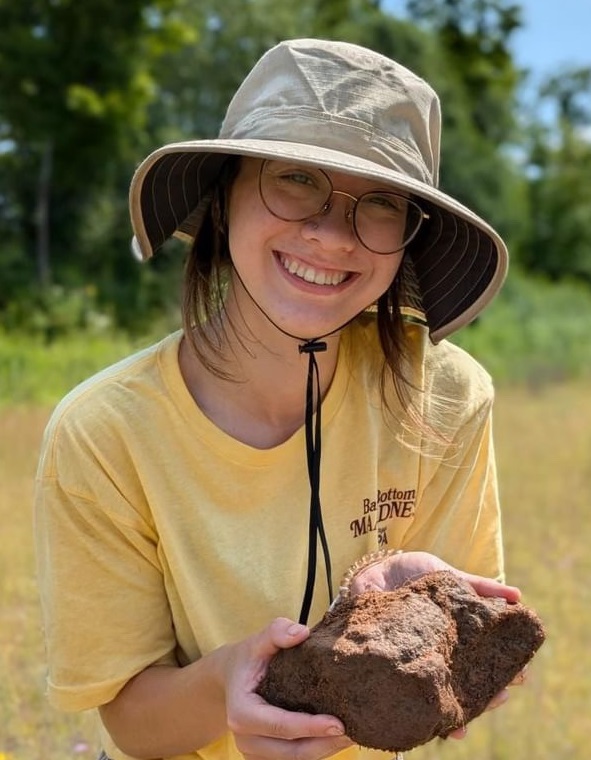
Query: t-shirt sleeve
pixel 105 610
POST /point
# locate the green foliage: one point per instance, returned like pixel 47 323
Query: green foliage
pixel 559 239
pixel 473 71
pixel 82 102
pixel 535 332
pixel 74 94
pixel 475 36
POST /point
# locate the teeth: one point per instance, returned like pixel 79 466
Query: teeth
pixel 309 274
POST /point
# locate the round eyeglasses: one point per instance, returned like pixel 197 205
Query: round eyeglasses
pixel 383 222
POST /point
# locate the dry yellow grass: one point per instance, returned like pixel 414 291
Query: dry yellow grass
pixel 544 452
pixel 544 455
pixel 29 728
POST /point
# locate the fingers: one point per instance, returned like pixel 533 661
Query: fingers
pixel 271 733
pixel 498 700
pixel 262 730
pixel 256 717
pixel 459 733
pixel 490 587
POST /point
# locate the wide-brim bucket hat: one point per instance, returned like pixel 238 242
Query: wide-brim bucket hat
pixel 348 109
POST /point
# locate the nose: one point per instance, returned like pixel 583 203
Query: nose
pixel 333 226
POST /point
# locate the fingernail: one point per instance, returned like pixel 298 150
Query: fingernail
pixel 502 697
pixel 335 731
pixel 296 629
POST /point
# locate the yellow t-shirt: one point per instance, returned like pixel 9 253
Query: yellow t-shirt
pixel 160 537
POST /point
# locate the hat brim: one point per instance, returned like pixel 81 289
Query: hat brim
pixel 460 262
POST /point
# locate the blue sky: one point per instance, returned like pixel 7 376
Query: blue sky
pixel 556 33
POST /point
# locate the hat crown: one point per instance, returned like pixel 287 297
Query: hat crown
pixel 348 98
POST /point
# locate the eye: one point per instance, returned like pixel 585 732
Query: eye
pixel 297 177
pixel 294 176
pixel 384 203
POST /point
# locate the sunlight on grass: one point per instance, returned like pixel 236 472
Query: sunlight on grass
pixel 544 452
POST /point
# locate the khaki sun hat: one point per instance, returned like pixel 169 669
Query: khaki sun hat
pixel 344 108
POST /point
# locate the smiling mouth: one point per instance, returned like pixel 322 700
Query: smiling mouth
pixel 310 274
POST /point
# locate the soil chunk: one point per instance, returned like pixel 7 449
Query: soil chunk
pixel 402 667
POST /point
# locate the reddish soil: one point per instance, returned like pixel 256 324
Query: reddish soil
pixel 402 667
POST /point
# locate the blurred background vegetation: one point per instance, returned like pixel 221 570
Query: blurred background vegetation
pixel 88 89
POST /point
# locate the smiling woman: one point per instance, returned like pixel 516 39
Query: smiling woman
pixel 182 499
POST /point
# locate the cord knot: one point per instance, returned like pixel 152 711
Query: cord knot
pixel 311 346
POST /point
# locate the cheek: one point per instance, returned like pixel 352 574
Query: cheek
pixel 387 269
pixel 242 223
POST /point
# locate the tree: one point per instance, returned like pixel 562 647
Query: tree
pixel 75 83
pixel 475 36
pixel 560 167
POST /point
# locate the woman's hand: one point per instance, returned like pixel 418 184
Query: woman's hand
pixel 265 732
pixel 167 710
pixel 396 569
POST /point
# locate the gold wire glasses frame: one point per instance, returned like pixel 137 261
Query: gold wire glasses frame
pixel 384 222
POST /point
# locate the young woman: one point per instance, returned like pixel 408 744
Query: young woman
pixel 198 502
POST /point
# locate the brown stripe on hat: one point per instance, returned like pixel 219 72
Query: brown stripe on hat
pixel 170 191
pixel 454 262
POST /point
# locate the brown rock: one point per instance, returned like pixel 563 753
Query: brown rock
pixel 401 667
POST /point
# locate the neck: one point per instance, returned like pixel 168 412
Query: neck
pixel 263 403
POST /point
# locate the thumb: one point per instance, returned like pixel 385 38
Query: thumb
pixel 282 633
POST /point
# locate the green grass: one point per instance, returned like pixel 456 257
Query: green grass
pixel 35 372
pixel 534 333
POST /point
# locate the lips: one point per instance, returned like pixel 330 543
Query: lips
pixel 312 274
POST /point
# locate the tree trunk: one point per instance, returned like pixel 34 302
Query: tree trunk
pixel 42 248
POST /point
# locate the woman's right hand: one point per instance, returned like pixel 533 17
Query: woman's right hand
pixel 262 731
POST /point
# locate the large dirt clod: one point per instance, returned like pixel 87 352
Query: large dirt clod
pixel 402 667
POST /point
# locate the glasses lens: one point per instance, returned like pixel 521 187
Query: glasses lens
pixel 386 222
pixel 293 192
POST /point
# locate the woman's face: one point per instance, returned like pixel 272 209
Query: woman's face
pixel 309 277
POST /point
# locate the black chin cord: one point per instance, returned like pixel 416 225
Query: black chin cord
pixel 313 450
pixel 313 440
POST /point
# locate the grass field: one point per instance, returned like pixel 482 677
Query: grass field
pixel 544 452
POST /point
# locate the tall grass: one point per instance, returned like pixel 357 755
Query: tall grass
pixel 533 333
pixel 544 453
pixel 29 729
pixel 35 372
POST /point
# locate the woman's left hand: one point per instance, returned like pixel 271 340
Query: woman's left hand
pixel 396 569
